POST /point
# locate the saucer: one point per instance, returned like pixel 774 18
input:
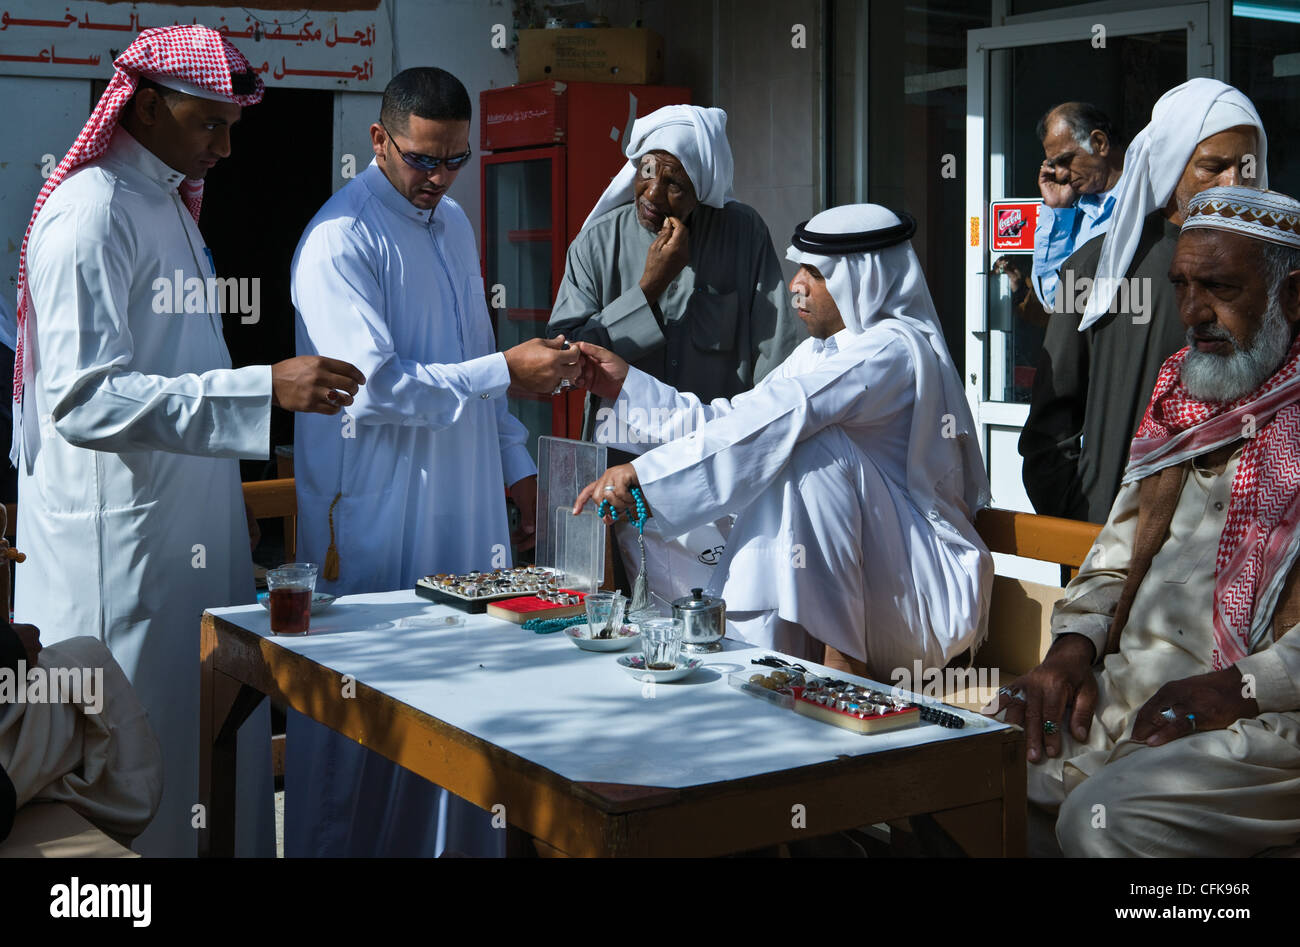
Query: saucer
pixel 581 636
pixel 634 664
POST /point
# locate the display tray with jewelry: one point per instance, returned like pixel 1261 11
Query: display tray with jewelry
pixel 511 594
pixel 844 704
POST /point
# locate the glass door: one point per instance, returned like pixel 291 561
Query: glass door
pixel 1120 62
pixel 523 261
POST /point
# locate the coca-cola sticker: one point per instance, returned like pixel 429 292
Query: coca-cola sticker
pixel 1012 225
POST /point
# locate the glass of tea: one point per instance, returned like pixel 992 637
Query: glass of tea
pixel 291 586
pixel 661 643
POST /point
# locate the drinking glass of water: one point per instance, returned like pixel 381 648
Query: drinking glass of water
pixel 661 643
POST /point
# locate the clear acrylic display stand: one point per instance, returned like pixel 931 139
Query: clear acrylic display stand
pixel 572 544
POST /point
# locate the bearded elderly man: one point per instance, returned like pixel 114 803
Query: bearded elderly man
pixel 1187 736
pixel 852 469
pixel 1115 319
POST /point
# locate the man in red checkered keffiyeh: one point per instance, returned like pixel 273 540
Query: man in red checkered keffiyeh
pixel 1169 701
pixel 135 417
pixel 191 59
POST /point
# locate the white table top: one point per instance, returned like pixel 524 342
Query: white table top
pixel 574 712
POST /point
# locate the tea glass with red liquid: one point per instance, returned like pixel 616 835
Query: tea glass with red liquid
pixel 291 588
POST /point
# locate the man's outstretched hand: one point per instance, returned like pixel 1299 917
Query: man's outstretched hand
pixel 539 365
pixel 601 371
pixel 614 485
pixel 315 384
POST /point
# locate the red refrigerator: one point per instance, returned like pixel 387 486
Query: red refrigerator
pixel 550 149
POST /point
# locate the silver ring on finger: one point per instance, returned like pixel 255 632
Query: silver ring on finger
pixel 608 488
pixel 1168 715
pixel 1191 718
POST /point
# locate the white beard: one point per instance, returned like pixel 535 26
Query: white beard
pixel 1222 378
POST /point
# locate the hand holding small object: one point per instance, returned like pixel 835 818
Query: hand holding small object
pixel 539 365
pixel 601 372
pixel 615 487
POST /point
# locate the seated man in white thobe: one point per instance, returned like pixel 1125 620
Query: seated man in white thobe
pixel 1165 718
pixel 852 469
pixel 132 419
pixel 412 479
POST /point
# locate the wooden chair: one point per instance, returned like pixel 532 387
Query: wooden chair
pixel 275 499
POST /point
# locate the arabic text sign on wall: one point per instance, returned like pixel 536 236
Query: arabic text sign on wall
pixel 327 50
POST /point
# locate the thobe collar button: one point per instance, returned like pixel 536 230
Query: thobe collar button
pixel 125 148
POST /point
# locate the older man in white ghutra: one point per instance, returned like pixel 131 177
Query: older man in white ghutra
pixel 851 468
pixel 1186 739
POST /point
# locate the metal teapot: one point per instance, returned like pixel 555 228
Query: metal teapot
pixel 704 621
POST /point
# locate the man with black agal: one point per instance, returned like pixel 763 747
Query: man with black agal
pixel 852 469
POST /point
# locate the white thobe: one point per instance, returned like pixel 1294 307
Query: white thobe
pixel 814 463
pixel 136 413
pixel 418 463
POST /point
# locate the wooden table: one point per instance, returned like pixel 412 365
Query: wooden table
pixel 974 786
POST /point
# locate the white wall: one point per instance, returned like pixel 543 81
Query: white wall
pixel 43 117
pixel 769 89
pixel 455 35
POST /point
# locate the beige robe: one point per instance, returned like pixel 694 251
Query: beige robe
pixel 1228 793
pixel 99 757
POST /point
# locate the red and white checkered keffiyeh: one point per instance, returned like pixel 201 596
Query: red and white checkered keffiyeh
pixel 194 54
pixel 1256 545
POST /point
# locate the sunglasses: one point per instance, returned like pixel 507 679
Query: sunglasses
pixel 428 162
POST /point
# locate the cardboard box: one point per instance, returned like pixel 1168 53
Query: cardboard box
pixel 634 56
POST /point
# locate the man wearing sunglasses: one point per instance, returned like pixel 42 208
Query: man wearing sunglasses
pixel 411 480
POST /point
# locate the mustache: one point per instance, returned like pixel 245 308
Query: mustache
pixel 1209 333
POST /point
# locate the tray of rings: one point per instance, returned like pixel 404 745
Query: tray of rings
pixel 840 703
pixel 474 591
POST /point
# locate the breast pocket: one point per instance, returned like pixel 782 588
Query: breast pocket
pixel 713 318
pixel 480 336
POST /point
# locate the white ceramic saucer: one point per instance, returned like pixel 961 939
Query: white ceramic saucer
pixel 581 636
pixel 634 664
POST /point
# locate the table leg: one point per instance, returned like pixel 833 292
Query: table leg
pixel 224 704
pixel 991 829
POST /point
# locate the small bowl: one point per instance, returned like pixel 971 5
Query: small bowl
pixel 581 636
